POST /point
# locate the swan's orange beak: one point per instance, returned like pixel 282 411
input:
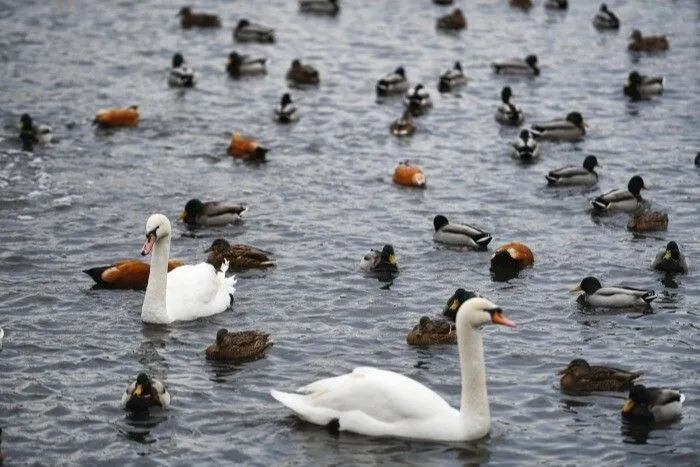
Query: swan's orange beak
pixel 498 318
pixel 148 246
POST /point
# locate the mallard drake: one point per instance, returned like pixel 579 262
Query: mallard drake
pixel 525 148
pixel 238 65
pixel 238 346
pixel 417 99
pixel 453 22
pixel 579 376
pixel 432 332
pixel 211 213
pixel 250 32
pixel 556 4
pixel 648 221
pixel 515 66
pixel 670 259
pixel 653 404
pixel 245 148
pixel 302 74
pixel 117 117
pixel 29 133
pixel 326 7
pixel 239 256
pixel 409 175
pixel 393 83
pixel 459 234
pixel 507 113
pixel 380 261
pixel 126 274
pixel 629 200
pixel 452 78
pixel 605 19
pixel 581 175
pixel 524 4
pixel 512 256
pixel 640 43
pixel 455 301
pixel 197 20
pixel 443 2
pixel 640 87
pixel 145 393
pixel 286 112
pixel 614 297
pixel 403 126
pixel 572 128
pixel 181 75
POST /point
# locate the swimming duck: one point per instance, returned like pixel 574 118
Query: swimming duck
pixel 403 126
pixel 581 175
pixel 238 65
pixel 380 261
pixel 459 234
pixel 2 334
pixel 697 160
pixel 239 256
pixel 2 455
pixel 605 19
pixel 648 221
pixel 180 75
pixel 117 117
pixel 302 74
pixel 512 256
pixel 507 113
pixel 454 21
pixel 653 404
pixel 211 213
pixel 452 78
pixel 647 44
pixel 286 112
pixel 250 32
pixel 327 7
pixel 573 128
pixel 629 200
pixel 432 332
pixel 29 133
pixel 393 83
pixel 525 148
pixel 197 20
pixel 126 274
pixel 670 259
pixel 238 346
pixel 409 175
pixel 145 393
pixel 417 99
pixel 245 148
pixel 614 297
pixel 579 376
pixel 643 87
pixel 515 66
pixel 443 2
pixel 524 4
pixel 455 301
pixel 556 4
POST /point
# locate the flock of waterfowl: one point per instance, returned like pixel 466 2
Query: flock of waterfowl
pixel 368 400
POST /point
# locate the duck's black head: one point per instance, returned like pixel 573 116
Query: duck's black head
pixel 242 23
pixel 439 221
pixel 400 71
pixel 635 78
pixel 524 135
pixel 234 58
pixel 576 118
pixel 589 285
pixel 640 394
pixel 296 63
pixel 185 11
pixel 217 245
pixel 506 92
pixel 590 163
pixel 637 405
pixel 635 185
pixel 579 363
pixel 286 99
pixel 220 335
pixel 531 60
pixel 672 251
pixel 417 88
pixel 636 35
pixel 458 66
pixel 194 206
pixel 178 60
pixel 604 8
pixel 143 385
pixel 388 254
pixel 25 122
pixel 455 301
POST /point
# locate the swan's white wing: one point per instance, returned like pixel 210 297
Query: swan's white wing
pixel 195 291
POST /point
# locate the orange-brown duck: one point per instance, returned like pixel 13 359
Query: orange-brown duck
pixel 126 274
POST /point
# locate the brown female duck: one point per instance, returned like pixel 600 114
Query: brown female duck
pixel 243 345
pixel 647 44
pixel 439 331
pixel 197 20
pixel 239 256
pixel 579 376
pixel 454 21
pixel 302 74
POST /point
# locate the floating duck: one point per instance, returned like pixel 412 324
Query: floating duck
pixel 643 87
pixel 512 256
pixel 30 134
pixel 2 455
pixel 325 7
pixel 393 83
pixel 239 256
pixel 117 117
pixel 211 213
pixel 286 112
pixel 417 100
pixel 572 128
pixel 409 175
pixel 697 160
pixel 181 75
pixel 670 259
pixel 507 113
pixel 515 66
pixel 238 346
pixel 455 301
pixel 145 393
pixel 238 65
pixel 380 261
pixel 2 334
pixel 648 221
pixel 556 4
pixel 302 74
pixel 459 234
pixel 453 22
pixel 452 78
pixel 126 274
pixel 605 19
pixel 197 20
pixel 629 200
pixel 579 376
pixel 430 331
pixel 443 2
pixel 246 149
pixel 653 404
pixel 525 148
pixel 250 32
pixel 403 126
pixel 524 4
pixel 613 297
pixel 581 176
pixel 640 43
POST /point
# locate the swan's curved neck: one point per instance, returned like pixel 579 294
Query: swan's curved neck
pixel 471 358
pixel 154 309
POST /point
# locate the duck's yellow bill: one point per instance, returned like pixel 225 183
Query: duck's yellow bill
pixel 392 259
pixel 182 215
pixel 668 255
pixel 454 304
pixel 138 390
pixel 576 288
pixel 629 405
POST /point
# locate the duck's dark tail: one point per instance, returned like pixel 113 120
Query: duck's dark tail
pixel 649 296
pixel 96 274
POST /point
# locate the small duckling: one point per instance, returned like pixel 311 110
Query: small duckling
pixel 250 32
pixel 181 75
pixel 640 43
pixel 239 256
pixel 556 4
pixel 432 332
pixel 512 256
pixel 571 176
pixel 524 4
pixel 595 294
pixel 145 393
pixel 640 87
pixel 452 78
pixel 459 234
pixel 246 149
pixel 670 260
pixel 117 117
pixel 452 22
pixel 325 7
pixel 380 261
pixel 403 126
pixel 302 74
pixel 648 221
pixel 30 134
pixel 650 405
pixel 211 213
pixel 629 200
pixel 286 112
pixel 605 19
pixel 417 100
pixel 507 113
pixel 197 20
pixel 393 83
pixel 515 66
pixel 238 346
pixel 238 65
pixel 406 174
pixel 525 148
pixel 579 376
pixel 126 274
pixel 573 128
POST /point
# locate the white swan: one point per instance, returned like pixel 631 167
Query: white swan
pixel 196 291
pixel 377 402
